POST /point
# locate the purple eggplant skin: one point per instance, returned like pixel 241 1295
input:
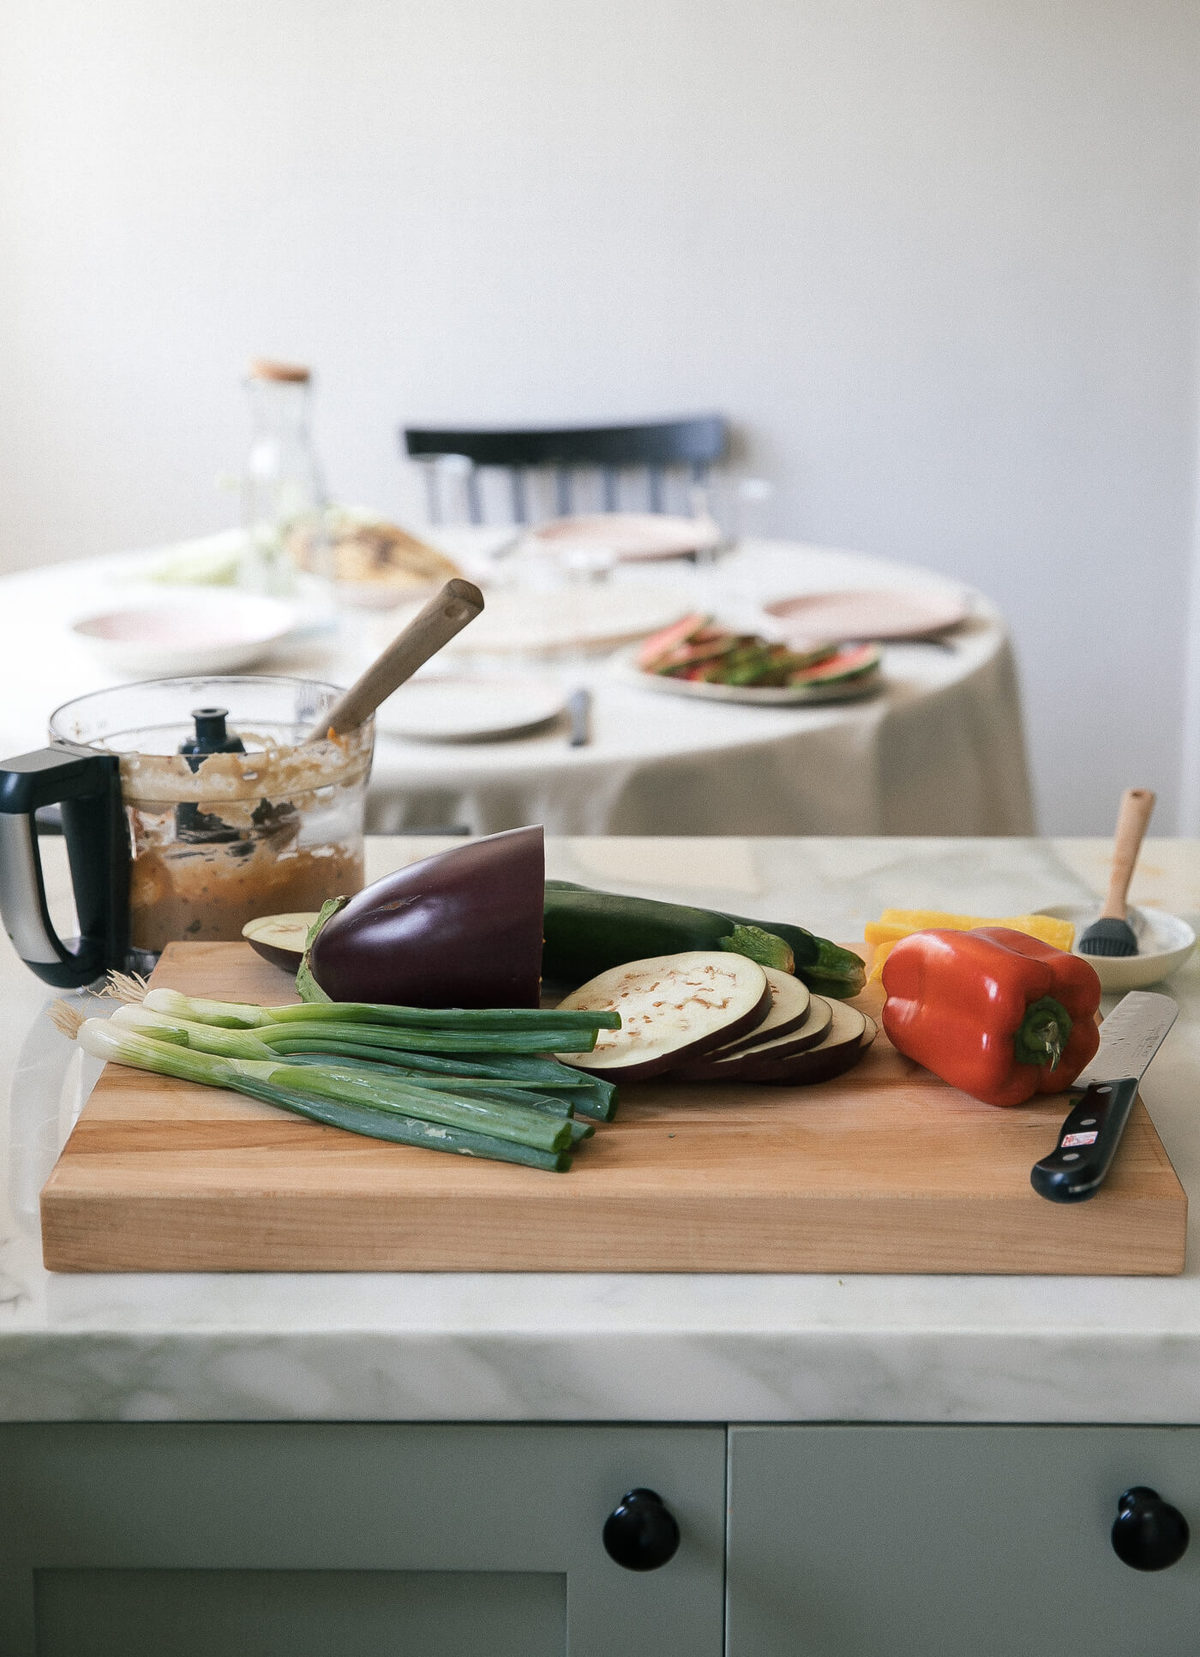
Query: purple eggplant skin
pixel 462 928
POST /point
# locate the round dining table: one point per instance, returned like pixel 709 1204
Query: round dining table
pixel 938 749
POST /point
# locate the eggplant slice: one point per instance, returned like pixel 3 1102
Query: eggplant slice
pixel 722 1063
pixel 671 1007
pixel 280 939
pixel 791 1004
pixel 850 1034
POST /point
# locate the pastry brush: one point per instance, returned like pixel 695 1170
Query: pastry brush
pixel 1112 934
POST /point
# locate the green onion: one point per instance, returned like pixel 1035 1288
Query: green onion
pixel 435 1018
pixel 230 1015
pixel 242 1016
pixel 478 1086
pixel 220 1039
pixel 358 1039
pixel 403 1130
pixel 545 1077
pixel 508 1069
pixel 550 1039
pixel 245 1044
pixel 105 1038
pixel 518 1123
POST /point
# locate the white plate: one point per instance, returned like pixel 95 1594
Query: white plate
pixel 530 622
pixel 206 631
pixel 468 708
pixel 630 536
pixel 1164 944
pixel 762 696
pixel 888 613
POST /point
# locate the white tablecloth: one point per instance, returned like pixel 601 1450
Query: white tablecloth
pixel 939 752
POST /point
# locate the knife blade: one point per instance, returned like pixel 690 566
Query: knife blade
pixel 1087 1141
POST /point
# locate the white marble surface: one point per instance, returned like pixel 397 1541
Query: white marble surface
pixel 629 1347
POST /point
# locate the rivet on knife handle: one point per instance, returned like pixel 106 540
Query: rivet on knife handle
pixel 1087 1143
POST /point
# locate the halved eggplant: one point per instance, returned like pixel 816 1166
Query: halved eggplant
pixel 671 1006
pixel 721 1064
pixel 462 928
pixel 280 939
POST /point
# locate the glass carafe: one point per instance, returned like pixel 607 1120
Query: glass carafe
pixel 285 510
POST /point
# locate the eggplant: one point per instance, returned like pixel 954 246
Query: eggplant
pixel 724 1063
pixel 462 928
pixel 849 1035
pixel 671 1006
pixel 280 939
pixel 791 1006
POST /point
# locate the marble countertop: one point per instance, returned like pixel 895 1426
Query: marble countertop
pixel 629 1347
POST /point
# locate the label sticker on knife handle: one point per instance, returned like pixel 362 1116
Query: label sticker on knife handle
pixel 1075 1169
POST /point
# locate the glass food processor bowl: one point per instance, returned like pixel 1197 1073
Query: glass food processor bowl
pixel 231 812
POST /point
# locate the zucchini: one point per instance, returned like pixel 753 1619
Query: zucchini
pixel 587 932
pixel 825 967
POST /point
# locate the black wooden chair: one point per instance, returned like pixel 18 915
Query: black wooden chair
pixel 691 446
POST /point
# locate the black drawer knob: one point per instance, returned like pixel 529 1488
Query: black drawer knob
pixel 1148 1533
pixel 640 1533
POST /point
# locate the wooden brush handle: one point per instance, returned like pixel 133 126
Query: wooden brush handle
pixel 433 626
pixel 1132 821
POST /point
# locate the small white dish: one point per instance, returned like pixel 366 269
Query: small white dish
pixel 204 632
pixel 468 708
pixel 1164 944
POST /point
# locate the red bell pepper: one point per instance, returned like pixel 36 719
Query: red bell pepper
pixel 996 1013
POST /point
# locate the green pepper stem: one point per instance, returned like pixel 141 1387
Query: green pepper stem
pixel 1042 1033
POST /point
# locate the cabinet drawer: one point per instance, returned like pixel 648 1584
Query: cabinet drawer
pixel 980 1541
pixel 310 1539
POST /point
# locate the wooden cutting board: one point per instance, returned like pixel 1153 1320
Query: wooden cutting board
pixel 885 1169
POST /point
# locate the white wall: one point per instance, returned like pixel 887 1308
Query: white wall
pixel 937 257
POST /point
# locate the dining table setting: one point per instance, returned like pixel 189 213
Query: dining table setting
pixel 626 673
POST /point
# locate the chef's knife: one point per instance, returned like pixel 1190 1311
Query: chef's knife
pixel 1129 1038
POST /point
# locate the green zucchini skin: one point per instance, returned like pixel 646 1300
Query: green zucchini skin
pixel 825 967
pixel 587 932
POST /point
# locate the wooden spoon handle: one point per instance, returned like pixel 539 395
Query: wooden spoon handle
pixel 446 614
pixel 1132 821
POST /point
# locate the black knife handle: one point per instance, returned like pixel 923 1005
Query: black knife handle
pixel 1087 1143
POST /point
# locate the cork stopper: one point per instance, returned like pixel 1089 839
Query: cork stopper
pixel 263 369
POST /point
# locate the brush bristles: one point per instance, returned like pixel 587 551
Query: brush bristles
pixel 1108 937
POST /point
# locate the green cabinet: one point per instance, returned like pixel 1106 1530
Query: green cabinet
pixel 313 1539
pixel 861 1541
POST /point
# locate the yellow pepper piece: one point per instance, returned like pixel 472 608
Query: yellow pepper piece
pixel 895 924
